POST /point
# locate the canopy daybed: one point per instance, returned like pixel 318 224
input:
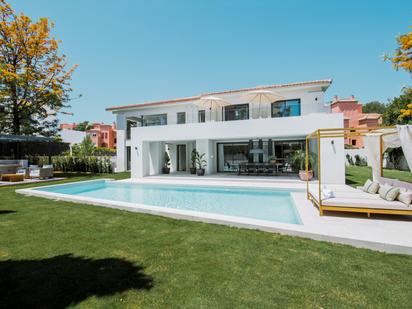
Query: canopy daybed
pixel 346 198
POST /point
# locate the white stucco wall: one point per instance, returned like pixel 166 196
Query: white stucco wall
pixel 207 134
pixel 72 136
pixel 240 129
pixel 313 116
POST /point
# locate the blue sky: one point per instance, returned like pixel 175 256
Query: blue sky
pixel 135 51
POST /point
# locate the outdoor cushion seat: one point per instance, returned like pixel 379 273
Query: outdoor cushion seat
pixel 12 177
pixel 346 196
pixel 365 203
pixel 41 172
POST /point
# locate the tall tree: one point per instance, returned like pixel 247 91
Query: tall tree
pixel 402 58
pixel 34 80
pixel 374 107
pixel 393 112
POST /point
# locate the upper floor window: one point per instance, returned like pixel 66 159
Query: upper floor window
pixel 286 108
pixel 201 116
pixel 181 117
pixel 129 125
pixel 155 120
pixel 236 112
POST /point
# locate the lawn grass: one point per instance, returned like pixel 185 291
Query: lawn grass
pixel 357 175
pixel 58 254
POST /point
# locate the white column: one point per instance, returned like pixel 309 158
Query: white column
pixel 207 147
pixel 332 159
pixel 121 151
pixel 172 150
pixel 139 156
pixel 156 156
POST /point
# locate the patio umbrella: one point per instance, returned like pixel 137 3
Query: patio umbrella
pixel 262 96
pixel 211 102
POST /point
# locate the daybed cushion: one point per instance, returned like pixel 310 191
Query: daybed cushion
pixel 371 186
pixel 346 196
pixel 388 193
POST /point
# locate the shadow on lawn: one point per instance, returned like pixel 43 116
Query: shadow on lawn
pixel 65 280
pixel 5 212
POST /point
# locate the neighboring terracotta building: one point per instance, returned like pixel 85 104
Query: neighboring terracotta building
pixel 354 118
pixel 102 135
pixel 67 126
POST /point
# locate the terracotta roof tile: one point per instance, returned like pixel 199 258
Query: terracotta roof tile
pixel 370 116
pixel 178 100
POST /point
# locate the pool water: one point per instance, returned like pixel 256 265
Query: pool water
pixel 261 204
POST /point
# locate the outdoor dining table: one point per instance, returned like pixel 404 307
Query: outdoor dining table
pixel 267 166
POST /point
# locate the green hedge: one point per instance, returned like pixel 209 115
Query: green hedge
pixel 90 164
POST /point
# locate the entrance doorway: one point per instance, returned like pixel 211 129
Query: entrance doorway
pixel 181 158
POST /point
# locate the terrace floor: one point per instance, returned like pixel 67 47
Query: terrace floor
pixel 389 233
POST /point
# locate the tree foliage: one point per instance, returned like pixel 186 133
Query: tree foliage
pixel 402 58
pixel 34 80
pixel 406 113
pixel 393 113
pixel 374 107
pixel 83 126
pixel 85 148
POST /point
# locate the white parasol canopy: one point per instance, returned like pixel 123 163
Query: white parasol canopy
pixel 262 96
pixel 211 102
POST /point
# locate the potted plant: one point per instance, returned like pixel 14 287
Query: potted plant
pixel 272 159
pixel 200 164
pixel 193 161
pixel 299 158
pixel 166 164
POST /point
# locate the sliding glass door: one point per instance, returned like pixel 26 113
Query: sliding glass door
pixel 229 155
pixel 259 151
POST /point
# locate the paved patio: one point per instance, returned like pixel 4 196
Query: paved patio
pixel 380 232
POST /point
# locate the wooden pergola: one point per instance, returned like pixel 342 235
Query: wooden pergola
pixel 320 134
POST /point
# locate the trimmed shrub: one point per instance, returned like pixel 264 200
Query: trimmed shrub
pixel 91 164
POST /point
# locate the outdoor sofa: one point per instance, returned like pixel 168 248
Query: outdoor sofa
pixel 348 199
pixel 41 172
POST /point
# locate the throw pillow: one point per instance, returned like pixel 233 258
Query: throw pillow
pixel 388 193
pixel 371 186
pixel 405 196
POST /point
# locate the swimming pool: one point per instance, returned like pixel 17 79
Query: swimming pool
pixel 259 204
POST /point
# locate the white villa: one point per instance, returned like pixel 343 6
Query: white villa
pixel 239 132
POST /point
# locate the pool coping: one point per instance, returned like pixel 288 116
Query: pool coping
pixel 299 230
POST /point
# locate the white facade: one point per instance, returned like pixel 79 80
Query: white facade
pixel 144 146
pixel 72 136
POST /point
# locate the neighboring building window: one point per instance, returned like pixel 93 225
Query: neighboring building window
pixel 354 142
pixel 286 108
pixel 181 118
pixel 236 112
pixel 201 116
pixel 155 120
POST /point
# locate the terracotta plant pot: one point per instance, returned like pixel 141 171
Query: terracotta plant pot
pixel 200 172
pixel 304 177
pixel 166 170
